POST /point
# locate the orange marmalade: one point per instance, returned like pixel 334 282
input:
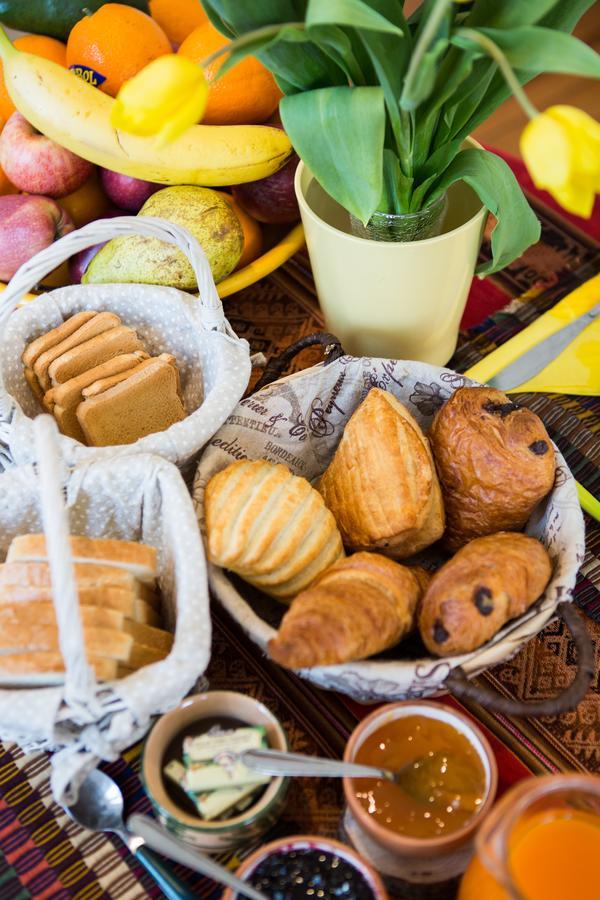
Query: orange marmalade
pixel 443 781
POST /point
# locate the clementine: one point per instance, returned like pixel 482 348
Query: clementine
pixel 40 45
pixel 113 44
pixel 253 236
pixel 246 94
pixel 177 18
pixel 86 204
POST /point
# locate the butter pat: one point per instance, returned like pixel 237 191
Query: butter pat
pixel 214 776
pixel 207 747
pixel 214 803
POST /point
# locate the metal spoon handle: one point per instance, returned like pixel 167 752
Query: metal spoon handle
pixel 158 838
pixel 275 762
pixel 170 884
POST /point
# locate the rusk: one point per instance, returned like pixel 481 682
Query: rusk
pixel 92 328
pixel 360 606
pixel 145 403
pixel 92 353
pixel 139 559
pixel 55 336
pixel 103 384
pixel 269 526
pixel 381 484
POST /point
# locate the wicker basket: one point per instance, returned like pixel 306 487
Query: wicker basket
pixel 299 420
pixel 214 364
pixel 140 498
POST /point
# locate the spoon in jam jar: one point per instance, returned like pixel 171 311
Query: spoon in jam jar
pixel 421 778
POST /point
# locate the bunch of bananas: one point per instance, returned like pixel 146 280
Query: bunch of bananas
pixel 77 116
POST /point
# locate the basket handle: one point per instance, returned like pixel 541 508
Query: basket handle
pixel 32 271
pixel 278 364
pixel 79 678
pixel 459 685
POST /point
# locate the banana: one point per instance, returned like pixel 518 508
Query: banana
pixel 77 116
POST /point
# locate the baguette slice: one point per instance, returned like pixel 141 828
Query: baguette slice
pixel 143 404
pixel 94 327
pixel 92 353
pixel 107 643
pixel 55 336
pixel 89 576
pixel 118 599
pixel 28 615
pixel 40 668
pixel 139 559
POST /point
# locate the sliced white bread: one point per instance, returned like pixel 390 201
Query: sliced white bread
pixel 27 574
pixel 39 668
pixel 139 559
pixel 106 643
pixel 118 599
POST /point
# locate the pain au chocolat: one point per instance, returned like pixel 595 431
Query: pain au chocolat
pixel 270 527
pixel 489 581
pixel 495 462
pixel 381 484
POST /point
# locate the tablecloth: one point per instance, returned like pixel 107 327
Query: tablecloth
pixel 44 855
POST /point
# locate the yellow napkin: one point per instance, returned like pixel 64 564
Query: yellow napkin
pixel 576 370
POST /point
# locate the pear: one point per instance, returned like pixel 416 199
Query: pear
pixel 145 260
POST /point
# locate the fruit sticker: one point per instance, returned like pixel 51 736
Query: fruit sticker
pixel 87 74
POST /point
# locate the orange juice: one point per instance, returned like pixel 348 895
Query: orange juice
pixel 552 855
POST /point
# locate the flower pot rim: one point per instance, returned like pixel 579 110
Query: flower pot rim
pixel 385 245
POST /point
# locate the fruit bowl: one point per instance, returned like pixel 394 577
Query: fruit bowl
pixel 259 268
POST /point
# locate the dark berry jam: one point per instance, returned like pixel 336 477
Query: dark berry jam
pixel 313 873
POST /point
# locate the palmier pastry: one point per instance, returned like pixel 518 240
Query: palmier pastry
pixel 270 527
pixel 362 605
pixel 381 485
pixel 495 462
pixel 491 580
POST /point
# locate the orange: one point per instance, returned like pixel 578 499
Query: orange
pixel 46 47
pixel 86 204
pixel 253 236
pixel 177 18
pixel 245 95
pixel 116 42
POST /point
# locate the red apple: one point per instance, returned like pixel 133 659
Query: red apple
pixel 38 165
pixel 271 199
pixel 80 261
pixel 127 192
pixel 28 225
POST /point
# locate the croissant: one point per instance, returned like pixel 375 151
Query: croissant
pixel 360 606
pixel 489 581
pixel 381 484
pixel 270 527
pixel 495 462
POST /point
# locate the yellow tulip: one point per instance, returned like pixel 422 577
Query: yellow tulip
pixel 561 149
pixel 165 98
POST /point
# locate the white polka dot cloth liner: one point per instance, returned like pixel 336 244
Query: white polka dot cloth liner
pixel 214 364
pixel 299 421
pixel 137 498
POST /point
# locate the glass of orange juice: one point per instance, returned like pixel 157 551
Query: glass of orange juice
pixel 540 842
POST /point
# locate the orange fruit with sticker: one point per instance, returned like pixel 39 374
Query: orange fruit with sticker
pixel 247 94
pixel 114 44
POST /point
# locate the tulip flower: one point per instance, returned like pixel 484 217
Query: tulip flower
pixel 561 148
pixel 165 98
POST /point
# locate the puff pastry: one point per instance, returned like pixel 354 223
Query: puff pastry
pixel 491 580
pixel 270 527
pixel 381 485
pixel 495 462
pixel 362 605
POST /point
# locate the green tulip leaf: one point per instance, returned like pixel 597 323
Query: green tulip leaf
pixel 533 49
pixel 517 226
pixel 339 133
pixel 510 13
pixel 353 13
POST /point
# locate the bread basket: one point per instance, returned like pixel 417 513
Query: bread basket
pixel 298 420
pixel 214 364
pixel 140 498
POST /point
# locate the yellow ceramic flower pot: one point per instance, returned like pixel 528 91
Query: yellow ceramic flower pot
pixel 386 299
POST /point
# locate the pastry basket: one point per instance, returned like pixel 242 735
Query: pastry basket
pixel 136 498
pixel 213 363
pixel 298 420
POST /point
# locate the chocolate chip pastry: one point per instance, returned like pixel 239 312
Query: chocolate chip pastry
pixel 488 582
pixel 495 462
